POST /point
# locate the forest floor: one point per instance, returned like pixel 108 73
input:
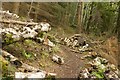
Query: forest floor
pixel 70 69
pixel 73 63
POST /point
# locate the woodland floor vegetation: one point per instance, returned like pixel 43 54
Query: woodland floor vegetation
pixel 84 37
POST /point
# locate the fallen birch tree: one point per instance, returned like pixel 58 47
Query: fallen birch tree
pixel 18 22
pixel 27 71
pixel 12 30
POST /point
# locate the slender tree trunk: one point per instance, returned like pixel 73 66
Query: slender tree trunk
pixel 28 14
pixel 89 20
pixel 118 31
pixel 74 18
pixel 16 7
pixel 79 20
pixel 82 14
pixel 36 12
pixel 66 18
pixel 85 15
pixel 118 23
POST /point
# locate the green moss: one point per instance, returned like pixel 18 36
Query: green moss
pixel 8 39
pixel 17 45
pixel 29 42
pixel 4 65
pixel 98 74
pixel 7 78
pixel 41 34
pixel 7 69
pixel 26 54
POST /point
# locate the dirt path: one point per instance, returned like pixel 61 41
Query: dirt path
pixel 72 65
pixel 70 69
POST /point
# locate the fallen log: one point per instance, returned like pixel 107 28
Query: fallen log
pixel 18 22
pixel 30 75
pixel 28 68
pixel 15 61
pixel 31 71
pixel 11 58
pixel 38 75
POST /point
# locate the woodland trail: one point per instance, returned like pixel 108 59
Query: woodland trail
pixel 71 67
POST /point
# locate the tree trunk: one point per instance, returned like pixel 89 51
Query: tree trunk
pixel 118 23
pixel 66 17
pixel 74 18
pixel 16 7
pixel 118 31
pixel 36 12
pixel 88 24
pixel 79 20
pixel 28 14
pixel 85 15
